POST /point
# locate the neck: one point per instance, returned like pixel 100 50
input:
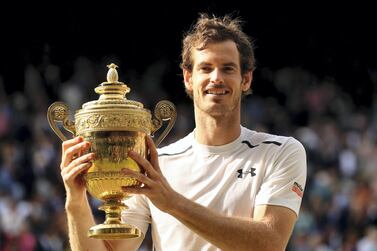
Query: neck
pixel 216 131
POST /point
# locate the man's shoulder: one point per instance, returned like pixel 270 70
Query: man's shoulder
pixel 178 147
pixel 257 138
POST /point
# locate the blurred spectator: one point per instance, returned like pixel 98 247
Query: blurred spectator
pixel 369 241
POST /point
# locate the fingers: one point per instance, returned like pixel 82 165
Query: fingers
pixel 153 153
pixel 144 189
pixel 75 149
pixel 69 174
pixel 77 167
pixel 139 176
pixel 135 190
pixel 152 168
pixel 143 163
pixel 68 143
pixel 82 160
pixel 87 158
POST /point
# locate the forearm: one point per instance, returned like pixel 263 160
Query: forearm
pixel 80 219
pixel 227 233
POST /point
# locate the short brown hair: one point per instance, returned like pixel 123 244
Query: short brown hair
pixel 214 29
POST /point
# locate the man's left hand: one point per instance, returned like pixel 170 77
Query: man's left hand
pixel 154 185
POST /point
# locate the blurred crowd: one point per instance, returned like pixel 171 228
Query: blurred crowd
pixel 339 210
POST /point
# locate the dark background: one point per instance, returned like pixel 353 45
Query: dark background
pixel 336 41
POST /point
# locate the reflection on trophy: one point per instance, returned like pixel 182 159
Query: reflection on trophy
pixel 114 126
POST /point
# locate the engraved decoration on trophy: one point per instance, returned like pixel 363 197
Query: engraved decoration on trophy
pixel 114 125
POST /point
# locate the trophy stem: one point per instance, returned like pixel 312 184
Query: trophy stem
pixel 113 209
pixel 113 227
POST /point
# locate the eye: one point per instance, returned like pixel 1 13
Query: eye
pixel 229 69
pixel 205 69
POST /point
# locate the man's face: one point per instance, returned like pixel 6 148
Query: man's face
pixel 216 82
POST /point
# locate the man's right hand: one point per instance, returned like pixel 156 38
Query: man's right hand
pixel 74 164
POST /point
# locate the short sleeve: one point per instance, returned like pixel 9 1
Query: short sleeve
pixel 285 178
pixel 138 213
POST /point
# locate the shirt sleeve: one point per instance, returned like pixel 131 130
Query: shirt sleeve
pixel 138 213
pixel 285 178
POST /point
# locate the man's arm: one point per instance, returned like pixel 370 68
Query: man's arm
pixel 269 229
pixel 80 219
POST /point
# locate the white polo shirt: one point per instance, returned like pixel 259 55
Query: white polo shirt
pixel 255 169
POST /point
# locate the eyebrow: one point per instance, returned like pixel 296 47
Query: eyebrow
pixel 209 64
pixel 203 64
pixel 231 64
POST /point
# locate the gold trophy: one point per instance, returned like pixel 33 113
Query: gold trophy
pixel 114 126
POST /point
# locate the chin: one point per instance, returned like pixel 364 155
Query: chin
pixel 217 112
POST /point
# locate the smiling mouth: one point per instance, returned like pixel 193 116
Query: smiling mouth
pixel 216 92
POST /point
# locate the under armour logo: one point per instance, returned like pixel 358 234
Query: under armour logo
pixel 242 174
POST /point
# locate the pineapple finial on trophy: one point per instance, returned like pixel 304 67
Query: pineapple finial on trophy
pixel 112 74
pixel 112 89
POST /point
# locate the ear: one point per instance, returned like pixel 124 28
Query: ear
pixel 187 79
pixel 246 82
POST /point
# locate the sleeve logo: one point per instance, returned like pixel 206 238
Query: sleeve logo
pixel 297 188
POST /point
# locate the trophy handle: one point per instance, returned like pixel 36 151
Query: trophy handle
pixel 59 112
pixel 164 110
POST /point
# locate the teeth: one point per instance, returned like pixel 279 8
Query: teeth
pixel 216 92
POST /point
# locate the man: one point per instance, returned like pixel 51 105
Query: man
pixel 223 186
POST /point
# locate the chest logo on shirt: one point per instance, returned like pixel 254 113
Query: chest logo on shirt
pixel 242 174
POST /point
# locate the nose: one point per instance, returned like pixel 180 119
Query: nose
pixel 216 76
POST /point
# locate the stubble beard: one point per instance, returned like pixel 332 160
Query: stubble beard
pixel 217 109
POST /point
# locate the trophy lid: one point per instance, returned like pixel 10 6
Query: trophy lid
pixel 112 93
pixel 112 111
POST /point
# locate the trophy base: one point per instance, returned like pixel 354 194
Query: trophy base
pixel 114 231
